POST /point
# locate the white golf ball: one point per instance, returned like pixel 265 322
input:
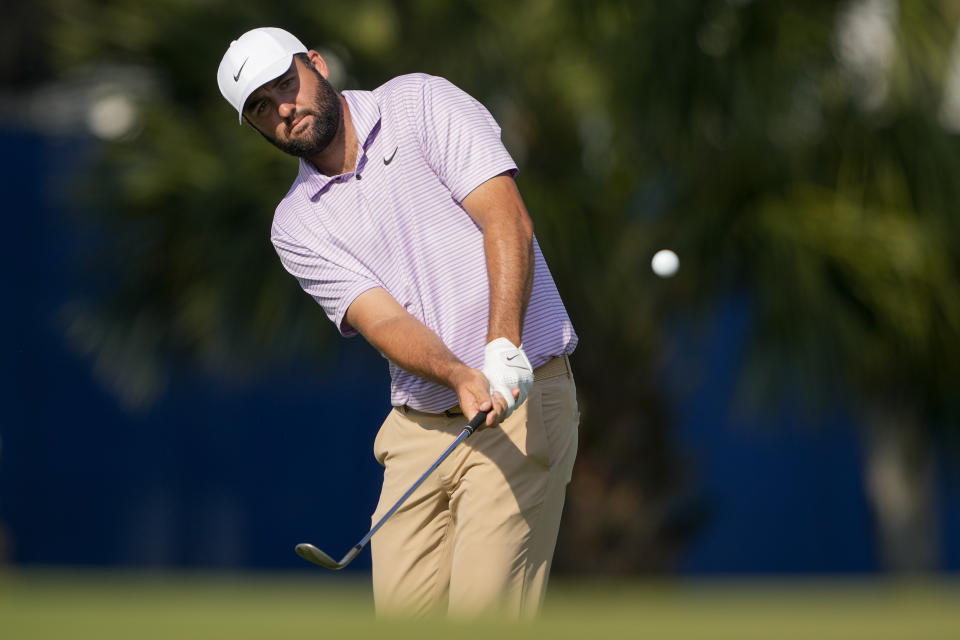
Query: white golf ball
pixel 665 263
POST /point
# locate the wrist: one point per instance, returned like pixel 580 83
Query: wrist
pixel 512 337
pixel 503 342
pixel 456 375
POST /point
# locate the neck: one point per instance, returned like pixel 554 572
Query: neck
pixel 340 156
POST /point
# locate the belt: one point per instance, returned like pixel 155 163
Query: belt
pixel 552 368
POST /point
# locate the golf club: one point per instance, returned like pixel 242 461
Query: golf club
pixel 309 552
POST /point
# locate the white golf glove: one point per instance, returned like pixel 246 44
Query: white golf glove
pixel 507 367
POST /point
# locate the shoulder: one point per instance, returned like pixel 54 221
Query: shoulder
pixel 407 83
pixel 411 89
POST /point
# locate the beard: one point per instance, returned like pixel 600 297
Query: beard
pixel 326 112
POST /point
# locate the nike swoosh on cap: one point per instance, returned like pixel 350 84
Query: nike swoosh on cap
pixel 236 77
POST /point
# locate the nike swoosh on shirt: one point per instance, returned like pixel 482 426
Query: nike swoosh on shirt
pixel 387 160
pixel 236 77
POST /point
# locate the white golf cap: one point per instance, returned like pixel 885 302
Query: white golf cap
pixel 253 59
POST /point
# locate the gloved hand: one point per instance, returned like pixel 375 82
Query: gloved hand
pixel 506 367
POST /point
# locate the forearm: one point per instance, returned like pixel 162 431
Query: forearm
pixel 509 255
pixel 403 339
pixel 496 206
pixel 412 346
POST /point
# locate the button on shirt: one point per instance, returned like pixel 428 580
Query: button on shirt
pixel 396 222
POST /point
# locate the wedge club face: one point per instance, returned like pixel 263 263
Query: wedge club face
pixel 309 552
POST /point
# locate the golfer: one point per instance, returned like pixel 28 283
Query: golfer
pixel 404 223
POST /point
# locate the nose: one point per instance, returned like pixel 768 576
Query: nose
pixel 286 109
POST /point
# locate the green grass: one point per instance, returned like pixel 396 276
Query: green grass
pixel 76 605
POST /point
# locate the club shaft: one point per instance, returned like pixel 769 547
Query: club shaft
pixel 467 431
pixel 463 436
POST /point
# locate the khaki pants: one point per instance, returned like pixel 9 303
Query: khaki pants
pixel 478 536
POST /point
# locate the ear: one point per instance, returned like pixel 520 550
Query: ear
pixel 319 63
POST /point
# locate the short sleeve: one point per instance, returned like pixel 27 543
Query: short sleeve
pixel 459 138
pixel 333 286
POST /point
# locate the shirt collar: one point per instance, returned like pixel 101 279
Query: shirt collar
pixel 365 116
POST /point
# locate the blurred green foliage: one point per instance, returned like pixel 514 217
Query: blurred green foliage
pixel 795 154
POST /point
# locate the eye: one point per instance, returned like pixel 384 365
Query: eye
pixel 259 107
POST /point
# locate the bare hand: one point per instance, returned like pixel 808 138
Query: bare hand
pixel 472 390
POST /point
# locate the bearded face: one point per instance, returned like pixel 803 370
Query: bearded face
pixel 311 129
pixel 311 125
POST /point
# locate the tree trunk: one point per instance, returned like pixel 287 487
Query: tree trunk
pixel 899 469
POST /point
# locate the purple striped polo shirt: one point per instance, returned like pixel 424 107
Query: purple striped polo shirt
pixel 396 222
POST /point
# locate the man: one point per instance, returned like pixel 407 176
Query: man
pixel 405 224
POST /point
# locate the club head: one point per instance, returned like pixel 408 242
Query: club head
pixel 309 552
